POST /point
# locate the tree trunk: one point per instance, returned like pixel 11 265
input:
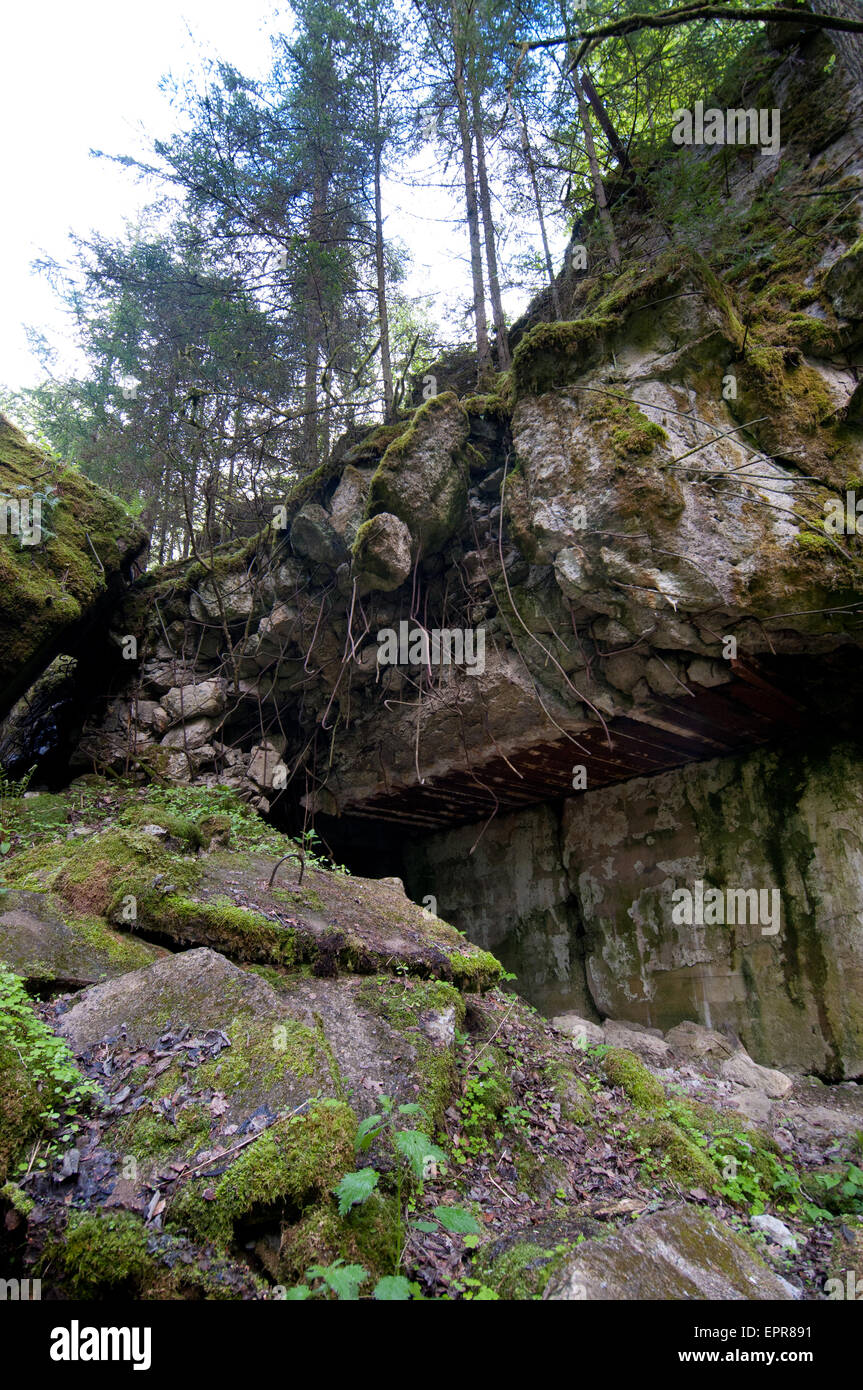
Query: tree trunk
pixel 849 47
pixel 617 147
pixel 503 354
pixel 534 182
pixel 383 316
pixel 483 353
pixel 595 175
pixel 314 327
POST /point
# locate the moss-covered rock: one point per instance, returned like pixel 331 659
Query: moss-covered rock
pixel 551 353
pixel 627 1071
pixel 52 948
pixel 381 556
pixel 83 541
pixel 421 479
pixel 294 1163
pixel 681 1253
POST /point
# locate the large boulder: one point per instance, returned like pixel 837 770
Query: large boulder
pixel 65 548
pixel 196 701
pixel 677 1254
pixel 50 947
pixel 421 478
pixel 382 553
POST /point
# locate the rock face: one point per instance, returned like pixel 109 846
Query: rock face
pixel 49 947
pixel 317 1046
pixel 64 547
pixel 675 1254
pixel 512 893
pixel 629 534
pixel 791 987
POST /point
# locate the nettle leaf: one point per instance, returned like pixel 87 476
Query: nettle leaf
pixel 391 1288
pixel 417 1148
pixel 458 1220
pixel 428 1226
pixel 367 1131
pixel 411 1109
pixel 299 1291
pixel 344 1280
pixel 356 1187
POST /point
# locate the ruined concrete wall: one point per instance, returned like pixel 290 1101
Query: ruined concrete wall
pixel 597 890
pixel 512 895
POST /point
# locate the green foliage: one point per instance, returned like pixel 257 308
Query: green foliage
pixel 344 1281
pixel 486 1108
pixel 457 1220
pixel 39 1081
pixel 355 1187
pixel 839 1189
pixel 393 1288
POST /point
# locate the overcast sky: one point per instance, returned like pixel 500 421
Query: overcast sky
pixel 86 76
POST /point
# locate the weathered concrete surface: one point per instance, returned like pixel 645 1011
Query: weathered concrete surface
pixel 582 910
pixel 770 821
pixel 511 893
pixel 49 947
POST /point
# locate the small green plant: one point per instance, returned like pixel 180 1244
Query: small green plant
pixel 46 1068
pixel 839 1190
pixel 487 1108
pixel 416 1158
pixel 343 1281
pixel 11 791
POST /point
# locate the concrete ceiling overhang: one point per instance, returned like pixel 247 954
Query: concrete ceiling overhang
pixel 746 712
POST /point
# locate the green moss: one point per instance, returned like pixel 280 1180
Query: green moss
pixel 492 407
pixel 37 813
pixel 301 898
pixel 273 977
pixel 259 1059
pixel 811 540
pixel 181 827
pixel 104 1251
pixel 95 874
pixel 85 535
pixel 402 1003
pixel 367 1236
pixel 432 516
pixel 575 1100
pixel 221 925
pixel 297 1161
pixel 548 355
pixel 21 1108
pixel 404 444
pixel 17 1198
pixel 375 444
pixel 120 951
pixel 476 970
pixel 720 296
pixel 150 1135
pixel 522 1271
pixel 674 1154
pixel 629 429
pixel 625 1070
